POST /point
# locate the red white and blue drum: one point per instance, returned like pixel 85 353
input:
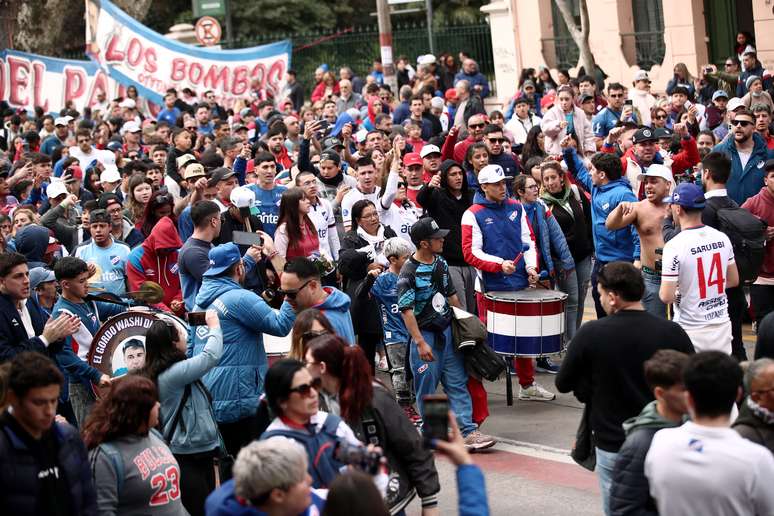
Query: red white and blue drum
pixel 527 323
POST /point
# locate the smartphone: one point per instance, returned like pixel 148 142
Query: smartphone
pixel 435 417
pixel 197 318
pixel 246 238
pixel 322 129
pixel 628 102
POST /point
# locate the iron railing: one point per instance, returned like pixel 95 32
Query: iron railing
pixel 565 51
pixel 649 47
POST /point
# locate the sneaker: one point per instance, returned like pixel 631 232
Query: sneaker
pixel 412 414
pixel 535 392
pixel 381 365
pixel 544 365
pixel 476 441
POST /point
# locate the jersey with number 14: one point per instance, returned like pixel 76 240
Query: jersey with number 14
pixel 697 259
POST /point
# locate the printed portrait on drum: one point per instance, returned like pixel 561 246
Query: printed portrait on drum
pixel 128 356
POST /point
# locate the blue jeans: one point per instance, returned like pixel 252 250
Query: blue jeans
pixel 650 299
pixel 605 466
pixel 576 286
pixel 448 368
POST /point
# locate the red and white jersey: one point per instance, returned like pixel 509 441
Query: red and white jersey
pixel 697 259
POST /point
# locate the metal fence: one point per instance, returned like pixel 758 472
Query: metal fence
pixel 357 47
pixel 564 50
pixel 649 47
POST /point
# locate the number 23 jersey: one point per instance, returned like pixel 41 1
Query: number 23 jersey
pixel 697 259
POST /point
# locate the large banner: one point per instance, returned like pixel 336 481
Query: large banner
pixel 30 80
pixel 133 54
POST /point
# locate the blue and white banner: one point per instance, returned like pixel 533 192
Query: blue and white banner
pixel 131 53
pixel 30 80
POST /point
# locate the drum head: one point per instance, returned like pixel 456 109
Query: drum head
pixel 528 295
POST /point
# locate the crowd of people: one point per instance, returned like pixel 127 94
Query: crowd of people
pixel 360 223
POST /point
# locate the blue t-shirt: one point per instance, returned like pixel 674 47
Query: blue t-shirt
pixel 423 288
pixel 385 290
pixel 110 262
pixel 267 204
pixel 604 121
pixel 169 116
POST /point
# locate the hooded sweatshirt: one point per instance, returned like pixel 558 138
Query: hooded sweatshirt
pixel 224 502
pixel 148 263
pixel 336 309
pixel 32 242
pixel 236 383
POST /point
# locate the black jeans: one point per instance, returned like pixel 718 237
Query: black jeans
pixel 737 304
pixel 762 301
pixel 239 433
pixel 368 342
pixel 594 293
pixel 197 480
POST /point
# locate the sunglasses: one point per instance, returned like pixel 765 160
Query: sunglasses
pixel 661 117
pixel 497 140
pixel 306 389
pixel 309 335
pixel 616 96
pixel 730 64
pixel 291 294
pixel 742 123
pixel 476 126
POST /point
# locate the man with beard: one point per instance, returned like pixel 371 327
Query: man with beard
pixel 748 153
pixel 476 124
pixel 646 215
pixel 494 139
pixel 275 140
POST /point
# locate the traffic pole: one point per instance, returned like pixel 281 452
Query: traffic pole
pixel 385 44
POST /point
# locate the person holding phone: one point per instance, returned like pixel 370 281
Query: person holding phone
pixel 566 118
pixel 296 235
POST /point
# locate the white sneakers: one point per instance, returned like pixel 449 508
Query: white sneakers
pixel 535 392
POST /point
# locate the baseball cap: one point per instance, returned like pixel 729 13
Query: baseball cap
pixel 99 215
pixel 60 121
pixel 115 146
pixel 687 195
pixel 548 100
pixel 646 134
pixel 412 158
pixel 242 197
pixel 184 160
pixel 361 135
pixel 450 94
pixel 40 275
pixel 720 93
pixel 130 127
pixel 585 97
pixel 426 59
pixel 246 112
pixel 656 170
pixel 492 174
pixel 429 149
pixel 106 199
pixel 222 257
pixel 228 143
pixel 734 104
pixel 436 103
pixel 110 174
pixel 55 189
pixel 193 170
pixel 330 155
pixel 331 141
pixel 72 173
pixel 663 132
pixel 425 229
pixel 220 174
pixel 641 75
pixel 527 83
pixel 128 103
pixel 769 165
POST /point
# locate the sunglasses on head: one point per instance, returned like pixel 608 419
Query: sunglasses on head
pixel 306 389
pixel 307 336
pixel 741 123
pixel 291 294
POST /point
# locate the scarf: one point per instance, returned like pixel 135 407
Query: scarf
pixel 563 201
pixel 333 181
pixel 761 413
pixel 377 241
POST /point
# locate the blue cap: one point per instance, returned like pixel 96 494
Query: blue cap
pixel 115 146
pixel 222 257
pixel 687 195
pixel 40 275
pixel 718 94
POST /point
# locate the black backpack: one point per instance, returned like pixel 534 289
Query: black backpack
pixel 748 238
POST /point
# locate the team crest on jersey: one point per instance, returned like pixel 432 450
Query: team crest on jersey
pixel 512 216
pixel 606 206
pixel 488 220
pixel 760 164
pixel 174 268
pixel 114 259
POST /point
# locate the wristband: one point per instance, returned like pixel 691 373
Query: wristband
pixel 272 255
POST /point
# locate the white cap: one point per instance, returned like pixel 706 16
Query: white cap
pixel 360 136
pixel 128 103
pixel 656 170
pixel 436 102
pixel 185 159
pixel 68 118
pixel 110 174
pixel 734 104
pixel 429 149
pixel 56 188
pixel 62 120
pixel 492 174
pixel 426 59
pixel 242 197
pixel 641 75
pixel 130 127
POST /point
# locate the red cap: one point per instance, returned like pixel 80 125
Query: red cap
pixel 412 158
pixel 75 171
pixel 450 94
pixel 548 100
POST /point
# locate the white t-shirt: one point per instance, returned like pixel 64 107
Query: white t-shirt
pixel 399 218
pixel 744 157
pixel 711 471
pixel 103 156
pixel 350 198
pixel 697 259
pixel 324 221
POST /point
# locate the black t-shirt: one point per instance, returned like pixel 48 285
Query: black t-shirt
pixel 54 495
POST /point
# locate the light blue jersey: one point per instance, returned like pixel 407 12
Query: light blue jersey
pixel 110 262
pixel 267 204
pixel 385 291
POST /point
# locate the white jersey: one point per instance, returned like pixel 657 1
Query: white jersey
pixel 349 200
pixel 399 218
pixel 324 221
pixel 698 259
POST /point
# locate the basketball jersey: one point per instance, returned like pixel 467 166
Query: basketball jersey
pixel 697 259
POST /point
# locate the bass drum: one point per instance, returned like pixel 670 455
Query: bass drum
pixel 118 347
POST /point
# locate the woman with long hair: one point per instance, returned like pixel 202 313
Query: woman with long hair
pixel 23 217
pixel 371 411
pixel 476 158
pixel 362 250
pixel 545 82
pixel 566 118
pixel 327 88
pixel 572 211
pixel 186 417
pixel 140 191
pixel 132 467
pixel 681 77
pixel 296 235
pixel 659 118
pixel 534 145
pixel 310 323
pixel 160 205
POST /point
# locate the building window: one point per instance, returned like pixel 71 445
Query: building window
pixel 561 50
pixel 648 35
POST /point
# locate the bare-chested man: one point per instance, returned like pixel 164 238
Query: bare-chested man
pixel 647 216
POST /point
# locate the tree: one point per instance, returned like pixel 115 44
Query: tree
pixel 579 34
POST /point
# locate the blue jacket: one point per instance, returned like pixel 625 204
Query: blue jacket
pixel 223 502
pixel 476 79
pixel 549 237
pixel 609 246
pixel 236 383
pixel 507 161
pixel 336 309
pixel 748 181
pixel 471 487
pixel 606 120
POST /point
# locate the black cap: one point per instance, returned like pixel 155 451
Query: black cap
pixel 769 165
pixel 331 141
pixel 100 215
pixel 220 174
pixel 331 155
pixel 646 134
pixel 663 132
pixel 585 97
pixel 425 229
pixel 108 198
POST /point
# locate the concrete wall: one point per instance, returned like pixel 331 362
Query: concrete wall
pixel 763 14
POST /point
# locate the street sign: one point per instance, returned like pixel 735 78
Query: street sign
pixel 208 31
pixel 209 8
